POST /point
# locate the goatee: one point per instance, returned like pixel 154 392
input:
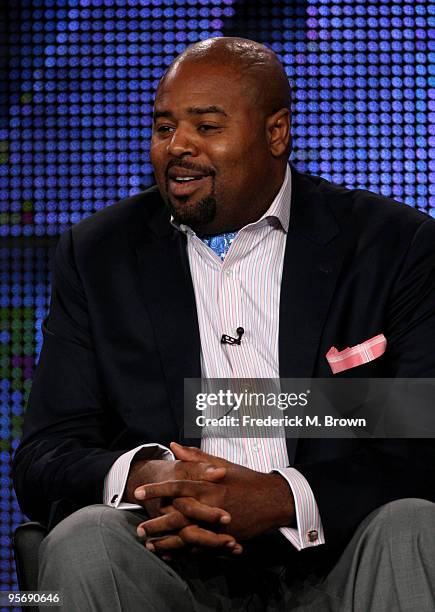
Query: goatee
pixel 194 215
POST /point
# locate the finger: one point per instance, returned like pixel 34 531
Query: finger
pixel 167 543
pixel 174 521
pixel 171 488
pixel 165 510
pixel 197 536
pixel 192 453
pixel 175 542
pixel 237 549
pixel 194 509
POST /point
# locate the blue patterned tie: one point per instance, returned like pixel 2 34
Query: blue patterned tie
pixel 220 243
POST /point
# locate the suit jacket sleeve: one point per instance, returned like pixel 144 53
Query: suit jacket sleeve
pixel 348 488
pixel 64 454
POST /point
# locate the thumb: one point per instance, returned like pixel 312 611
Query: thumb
pixel 199 465
pixel 187 453
pixel 191 453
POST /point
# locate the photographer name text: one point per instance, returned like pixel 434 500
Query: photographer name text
pixel 285 421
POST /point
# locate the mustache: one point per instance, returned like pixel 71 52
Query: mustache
pixel 181 163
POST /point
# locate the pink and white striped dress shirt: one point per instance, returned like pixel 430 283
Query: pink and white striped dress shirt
pixel 243 290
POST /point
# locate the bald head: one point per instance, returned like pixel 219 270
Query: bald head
pixel 265 80
pixel 221 133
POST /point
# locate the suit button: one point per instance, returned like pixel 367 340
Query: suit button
pixel 312 536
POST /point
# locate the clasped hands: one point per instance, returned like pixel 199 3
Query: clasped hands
pixel 202 502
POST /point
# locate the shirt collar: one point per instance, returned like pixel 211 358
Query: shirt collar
pixel 279 210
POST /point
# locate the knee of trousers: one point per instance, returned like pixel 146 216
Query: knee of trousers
pixel 410 516
pixel 79 535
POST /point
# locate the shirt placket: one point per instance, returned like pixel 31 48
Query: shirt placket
pixel 233 314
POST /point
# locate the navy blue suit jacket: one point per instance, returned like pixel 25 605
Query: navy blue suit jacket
pixel 122 334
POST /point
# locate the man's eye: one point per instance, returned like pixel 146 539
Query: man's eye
pixel 163 129
pixel 205 127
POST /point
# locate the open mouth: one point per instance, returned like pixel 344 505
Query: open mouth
pixel 182 183
pixel 186 179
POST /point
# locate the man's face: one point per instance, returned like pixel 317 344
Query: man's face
pixel 209 147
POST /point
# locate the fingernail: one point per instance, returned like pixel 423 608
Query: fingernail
pixel 141 532
pixel 150 546
pixel 139 494
pixel 225 519
pixel 231 544
pixel 211 469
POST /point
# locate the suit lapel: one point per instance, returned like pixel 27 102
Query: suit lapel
pixel 169 298
pixel 312 263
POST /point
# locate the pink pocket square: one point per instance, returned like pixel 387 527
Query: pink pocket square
pixel 356 355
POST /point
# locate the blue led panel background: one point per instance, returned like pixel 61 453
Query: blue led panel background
pixel 77 80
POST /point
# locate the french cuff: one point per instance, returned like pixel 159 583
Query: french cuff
pixel 116 477
pixel 309 531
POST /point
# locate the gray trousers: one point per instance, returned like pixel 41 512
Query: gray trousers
pixel 96 560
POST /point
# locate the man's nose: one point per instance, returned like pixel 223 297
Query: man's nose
pixel 182 143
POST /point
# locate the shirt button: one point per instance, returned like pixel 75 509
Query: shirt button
pixel 312 535
pixel 228 273
pixel 256 447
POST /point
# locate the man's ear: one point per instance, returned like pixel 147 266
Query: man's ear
pixel 278 132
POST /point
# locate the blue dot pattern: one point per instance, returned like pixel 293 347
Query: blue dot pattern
pixel 75 123
pixel 220 243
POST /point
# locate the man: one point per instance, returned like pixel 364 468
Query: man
pixel 140 302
